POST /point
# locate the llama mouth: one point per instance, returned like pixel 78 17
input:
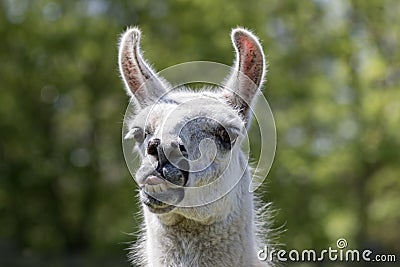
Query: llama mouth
pixel 155 205
pixel 159 195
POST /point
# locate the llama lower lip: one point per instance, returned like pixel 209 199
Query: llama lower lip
pixel 159 198
pixel 155 205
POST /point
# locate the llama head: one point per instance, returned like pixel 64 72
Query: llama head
pixel 190 141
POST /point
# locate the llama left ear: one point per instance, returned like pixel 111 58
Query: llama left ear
pixel 247 76
pixel 140 80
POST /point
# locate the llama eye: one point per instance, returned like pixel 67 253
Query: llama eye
pixel 225 140
pixel 138 134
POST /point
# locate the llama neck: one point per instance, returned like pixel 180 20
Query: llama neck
pixel 228 242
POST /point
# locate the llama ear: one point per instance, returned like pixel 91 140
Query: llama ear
pixel 140 80
pixel 248 74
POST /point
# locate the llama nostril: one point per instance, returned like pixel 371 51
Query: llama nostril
pixel 182 148
pixel 152 146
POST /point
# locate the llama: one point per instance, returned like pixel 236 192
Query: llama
pixel 194 178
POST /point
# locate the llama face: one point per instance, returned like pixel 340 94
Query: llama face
pixel 182 143
pixel 188 139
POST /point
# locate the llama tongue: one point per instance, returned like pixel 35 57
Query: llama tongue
pixel 153 180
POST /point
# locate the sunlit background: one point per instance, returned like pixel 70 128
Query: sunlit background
pixel 66 196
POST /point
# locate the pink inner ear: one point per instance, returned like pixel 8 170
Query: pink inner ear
pixel 247 44
pixel 250 60
pixel 248 57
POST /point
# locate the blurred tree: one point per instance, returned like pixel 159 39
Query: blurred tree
pixel 333 85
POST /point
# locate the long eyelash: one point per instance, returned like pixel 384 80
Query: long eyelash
pixel 146 133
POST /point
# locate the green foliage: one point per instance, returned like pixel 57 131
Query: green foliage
pixel 333 85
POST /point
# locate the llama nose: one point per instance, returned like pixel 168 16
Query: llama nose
pixel 170 165
pixel 159 151
pixel 152 147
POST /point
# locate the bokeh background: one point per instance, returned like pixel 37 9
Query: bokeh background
pixel 66 196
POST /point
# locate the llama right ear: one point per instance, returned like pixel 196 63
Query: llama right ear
pixel 140 80
pixel 247 76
